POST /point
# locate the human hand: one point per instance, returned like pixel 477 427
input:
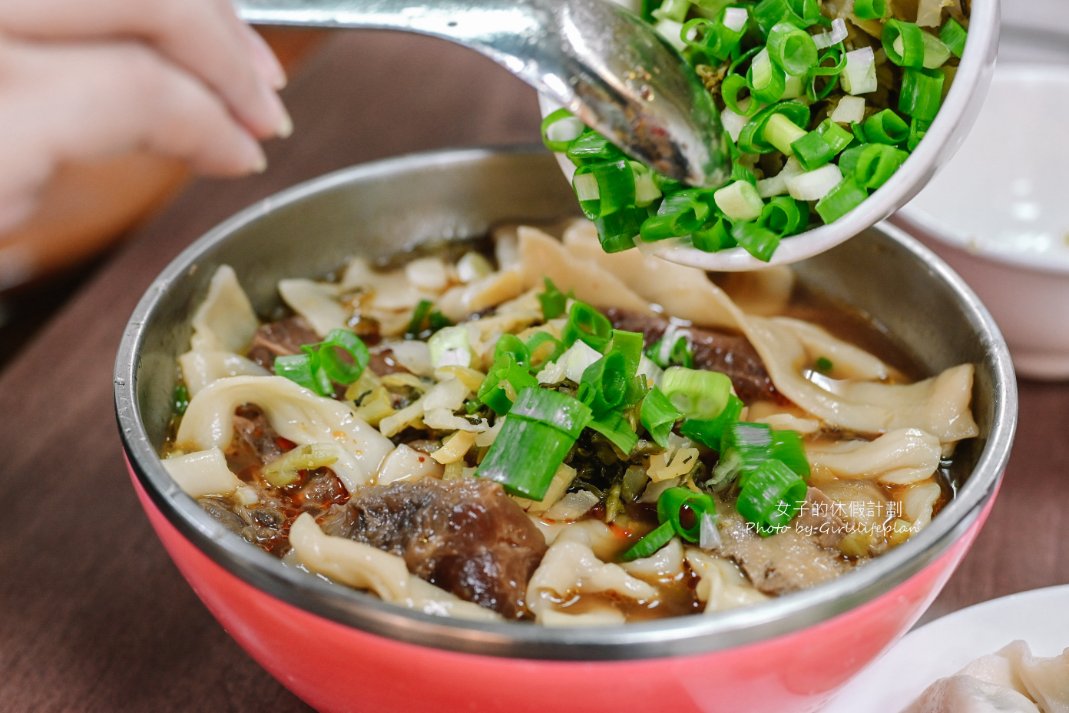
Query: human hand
pixel 84 80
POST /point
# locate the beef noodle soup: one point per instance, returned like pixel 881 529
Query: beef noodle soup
pixel 536 430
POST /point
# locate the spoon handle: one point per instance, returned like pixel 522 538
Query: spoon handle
pixel 603 63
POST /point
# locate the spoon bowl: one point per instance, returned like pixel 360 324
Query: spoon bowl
pixel 603 63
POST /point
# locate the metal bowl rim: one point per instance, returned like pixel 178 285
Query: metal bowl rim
pixel 690 635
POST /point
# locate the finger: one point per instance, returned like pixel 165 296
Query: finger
pixel 267 63
pixel 203 36
pixel 63 103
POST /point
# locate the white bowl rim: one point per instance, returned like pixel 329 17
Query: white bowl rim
pixel 955 118
pixel 918 221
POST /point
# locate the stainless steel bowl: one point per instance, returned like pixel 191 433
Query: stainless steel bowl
pixel 384 208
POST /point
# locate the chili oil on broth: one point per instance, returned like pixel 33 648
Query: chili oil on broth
pixel 266 519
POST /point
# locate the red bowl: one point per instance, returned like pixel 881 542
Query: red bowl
pixel 344 650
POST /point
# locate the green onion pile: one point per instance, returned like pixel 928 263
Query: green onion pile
pixel 822 105
pixel 614 401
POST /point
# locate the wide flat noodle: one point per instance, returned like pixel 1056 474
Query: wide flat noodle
pixel 200 368
pixel 317 302
pixel 683 292
pixel 202 473
pixel 721 585
pixel 225 320
pixel 365 567
pixel 849 361
pixel 900 457
pixel 939 405
pixel 542 256
pixel 296 413
pixel 571 567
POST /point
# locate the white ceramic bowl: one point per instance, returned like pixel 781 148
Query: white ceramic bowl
pixel 999 213
pixel 946 134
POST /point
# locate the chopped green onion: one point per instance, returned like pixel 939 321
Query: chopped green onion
pixel 786 447
pixel 781 133
pixel 179 399
pixel 696 393
pixel 771 496
pixel 917 130
pixel 821 145
pixel 739 201
pixel 559 129
pixel 870 9
pixel 784 216
pixel 744 446
pixel 505 381
pixel 730 89
pixel 588 325
pixel 592 147
pixel 650 543
pixel 886 127
pixel 321 364
pixel 344 368
pixel 754 139
pixel 605 383
pixel 936 53
pixel 824 365
pixel 604 188
pixel 450 347
pixel 553 408
pixel 675 352
pixel 713 238
pixel 876 163
pixel 904 43
pixel 766 80
pixel 617 231
pixel 921 94
pixel 684 509
pixel 792 49
pixel 710 432
pixel 302 370
pixel 680 214
pixel 553 301
pixel 617 430
pixel 536 342
pixel 658 415
pixel 841 200
pixel 756 239
pixel 628 344
pixel 525 456
pixel 513 346
pixel 419 317
pixel 954 36
pixel 859 75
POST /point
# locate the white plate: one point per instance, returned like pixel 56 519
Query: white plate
pixel 943 647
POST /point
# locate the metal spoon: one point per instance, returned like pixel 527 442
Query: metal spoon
pixel 603 63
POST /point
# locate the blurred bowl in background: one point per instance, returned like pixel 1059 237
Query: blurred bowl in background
pixel 999 213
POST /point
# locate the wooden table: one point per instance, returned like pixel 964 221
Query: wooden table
pixel 93 615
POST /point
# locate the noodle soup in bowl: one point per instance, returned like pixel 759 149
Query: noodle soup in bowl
pixel 343 648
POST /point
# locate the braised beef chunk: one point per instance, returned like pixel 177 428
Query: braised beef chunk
pixel 267 521
pixel 280 338
pixel 255 442
pixel 465 536
pixel 731 354
pixel 786 562
pixel 264 523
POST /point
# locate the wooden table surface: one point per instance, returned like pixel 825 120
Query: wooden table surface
pixel 93 615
